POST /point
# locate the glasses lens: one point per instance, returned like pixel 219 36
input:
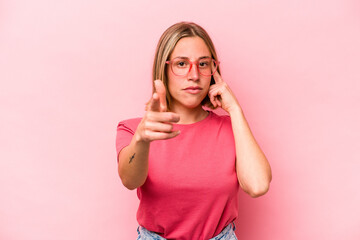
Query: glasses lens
pixel 180 66
pixel 207 66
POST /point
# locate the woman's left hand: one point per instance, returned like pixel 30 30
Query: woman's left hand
pixel 221 95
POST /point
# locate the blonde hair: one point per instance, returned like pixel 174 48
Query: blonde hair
pixel 165 47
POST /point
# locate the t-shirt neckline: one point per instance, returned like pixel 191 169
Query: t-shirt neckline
pixel 195 123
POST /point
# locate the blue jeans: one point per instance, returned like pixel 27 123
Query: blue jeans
pixel 227 234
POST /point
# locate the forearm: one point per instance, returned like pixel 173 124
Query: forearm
pixel 155 125
pixel 253 169
pixel 133 163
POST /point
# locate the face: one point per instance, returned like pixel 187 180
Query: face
pixel 189 90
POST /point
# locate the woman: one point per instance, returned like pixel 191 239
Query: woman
pixel 187 163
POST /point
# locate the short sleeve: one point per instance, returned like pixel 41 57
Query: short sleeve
pixel 124 134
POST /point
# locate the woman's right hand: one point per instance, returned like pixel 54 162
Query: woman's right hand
pixel 157 124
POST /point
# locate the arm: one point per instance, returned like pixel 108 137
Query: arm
pixel 252 168
pixel 133 163
pixel 155 125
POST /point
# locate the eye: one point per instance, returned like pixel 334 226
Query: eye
pixel 181 63
pixel 204 63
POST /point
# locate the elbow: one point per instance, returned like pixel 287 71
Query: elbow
pixel 130 187
pixel 259 191
pixel 256 190
pixel 262 187
pixel 126 181
pixel 128 184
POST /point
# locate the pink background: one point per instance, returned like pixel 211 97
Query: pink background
pixel 70 70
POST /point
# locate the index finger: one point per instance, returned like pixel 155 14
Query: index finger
pixel 217 76
pixel 154 103
pixel 161 91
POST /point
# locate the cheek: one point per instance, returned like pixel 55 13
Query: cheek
pixel 172 85
pixel 208 82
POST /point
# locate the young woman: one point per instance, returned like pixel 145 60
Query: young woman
pixel 187 163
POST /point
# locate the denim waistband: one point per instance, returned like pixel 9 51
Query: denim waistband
pixel 227 234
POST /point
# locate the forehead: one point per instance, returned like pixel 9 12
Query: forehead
pixel 190 47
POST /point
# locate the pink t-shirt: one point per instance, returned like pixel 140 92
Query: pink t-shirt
pixel 191 189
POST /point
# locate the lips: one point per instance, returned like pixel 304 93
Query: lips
pixel 193 88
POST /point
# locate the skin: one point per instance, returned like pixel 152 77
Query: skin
pixel 252 168
pixel 187 105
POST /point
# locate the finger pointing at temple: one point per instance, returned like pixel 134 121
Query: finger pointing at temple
pixel 217 77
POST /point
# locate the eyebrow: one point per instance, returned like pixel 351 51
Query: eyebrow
pixel 188 58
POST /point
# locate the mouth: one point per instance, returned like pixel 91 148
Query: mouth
pixel 193 90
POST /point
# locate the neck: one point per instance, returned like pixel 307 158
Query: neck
pixel 190 115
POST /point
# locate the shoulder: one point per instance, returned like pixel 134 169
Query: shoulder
pixel 129 125
pixel 220 122
pixel 220 118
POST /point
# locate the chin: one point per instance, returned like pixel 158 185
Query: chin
pixel 192 105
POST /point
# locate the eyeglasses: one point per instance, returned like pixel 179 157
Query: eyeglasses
pixel 182 66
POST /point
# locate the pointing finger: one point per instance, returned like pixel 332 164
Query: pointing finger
pixel 155 103
pixel 161 91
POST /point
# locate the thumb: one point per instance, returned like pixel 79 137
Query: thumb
pixel 161 91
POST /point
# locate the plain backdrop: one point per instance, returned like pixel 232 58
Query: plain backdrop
pixel 71 70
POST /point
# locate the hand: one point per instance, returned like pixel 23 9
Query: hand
pixel 221 95
pixel 157 122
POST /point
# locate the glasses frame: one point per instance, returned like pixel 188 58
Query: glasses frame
pixel 191 65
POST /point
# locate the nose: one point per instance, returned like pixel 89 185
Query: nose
pixel 193 73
